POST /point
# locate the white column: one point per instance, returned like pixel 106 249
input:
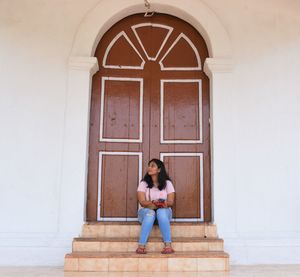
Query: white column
pixel 222 143
pixel 75 149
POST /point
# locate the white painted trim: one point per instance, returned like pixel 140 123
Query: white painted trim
pixel 134 27
pixel 140 139
pixel 122 33
pixel 190 154
pixel 182 35
pixel 119 219
pixel 187 220
pixel 101 153
pixel 89 64
pixel 199 81
pixel 213 66
pixel 74 166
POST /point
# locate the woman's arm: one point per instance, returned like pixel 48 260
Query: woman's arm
pixel 170 199
pixel 144 203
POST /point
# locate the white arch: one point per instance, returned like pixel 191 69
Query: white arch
pixel 82 66
pixel 108 12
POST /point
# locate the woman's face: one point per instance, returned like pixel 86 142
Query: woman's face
pixel 153 169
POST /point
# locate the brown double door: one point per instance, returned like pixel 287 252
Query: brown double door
pixel 150 99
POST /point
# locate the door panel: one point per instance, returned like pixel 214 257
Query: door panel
pixel 181 55
pixel 187 172
pixel 121 113
pixel 181 111
pixel 114 57
pixel 118 187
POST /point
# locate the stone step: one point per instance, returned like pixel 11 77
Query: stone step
pixel 132 229
pixel 152 261
pixel 154 244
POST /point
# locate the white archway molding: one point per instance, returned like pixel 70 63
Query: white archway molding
pixel 108 12
pixel 82 66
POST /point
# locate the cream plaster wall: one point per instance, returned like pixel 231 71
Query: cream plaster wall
pixel 257 130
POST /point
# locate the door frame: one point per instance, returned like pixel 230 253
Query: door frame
pixel 82 66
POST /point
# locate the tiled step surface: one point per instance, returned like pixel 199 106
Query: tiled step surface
pixel 132 229
pixel 154 244
pixel 192 261
pixel 110 246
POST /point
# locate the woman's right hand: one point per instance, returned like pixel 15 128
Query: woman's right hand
pixel 152 206
pixel 148 204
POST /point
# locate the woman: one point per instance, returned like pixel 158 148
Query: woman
pixel 156 195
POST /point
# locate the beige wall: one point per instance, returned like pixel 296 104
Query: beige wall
pixel 260 125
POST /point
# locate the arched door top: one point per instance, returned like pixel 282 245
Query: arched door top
pixel 108 12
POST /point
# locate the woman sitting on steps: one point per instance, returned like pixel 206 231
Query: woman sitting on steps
pixel 156 195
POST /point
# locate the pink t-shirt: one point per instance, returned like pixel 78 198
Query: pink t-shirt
pixel 154 193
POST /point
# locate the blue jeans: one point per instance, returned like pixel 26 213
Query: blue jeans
pixel 147 217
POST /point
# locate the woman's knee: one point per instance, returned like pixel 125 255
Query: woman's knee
pixel 163 213
pixel 149 214
pixel 145 213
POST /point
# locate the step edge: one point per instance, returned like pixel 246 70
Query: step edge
pixel 179 254
pixel 124 239
pixel 130 223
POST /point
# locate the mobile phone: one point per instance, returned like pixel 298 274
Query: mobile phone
pixel 161 200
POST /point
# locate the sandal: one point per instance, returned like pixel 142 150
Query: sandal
pixel 141 250
pixel 167 250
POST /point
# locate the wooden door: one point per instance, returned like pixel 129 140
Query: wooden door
pixel 150 99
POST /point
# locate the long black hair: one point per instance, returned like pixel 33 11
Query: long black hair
pixel 162 175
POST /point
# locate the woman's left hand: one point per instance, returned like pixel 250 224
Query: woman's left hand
pixel 164 205
pixel 161 204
